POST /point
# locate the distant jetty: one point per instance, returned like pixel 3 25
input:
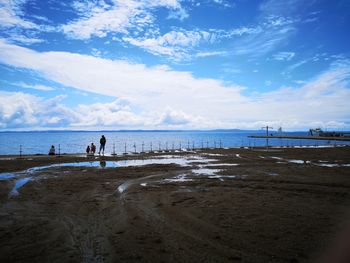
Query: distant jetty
pixel 327 138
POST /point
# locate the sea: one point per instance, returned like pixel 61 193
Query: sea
pixel 39 142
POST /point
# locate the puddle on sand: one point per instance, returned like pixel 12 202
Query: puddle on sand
pixel 110 164
pixel 331 165
pixel 6 176
pixel 221 164
pixel 124 186
pixel 206 171
pixel 178 179
pixel 213 154
pixel 296 161
pixel 290 160
pixel 184 189
pixel 277 158
pixel 222 177
pixel 272 174
pixel 121 188
pixel 7 159
pixel 18 184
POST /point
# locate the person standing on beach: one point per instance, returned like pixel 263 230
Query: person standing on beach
pixel 102 144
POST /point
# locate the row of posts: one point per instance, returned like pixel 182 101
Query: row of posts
pixel 190 146
pixel 155 148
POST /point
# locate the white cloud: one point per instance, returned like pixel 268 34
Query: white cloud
pixel 99 19
pixel 134 22
pixel 283 56
pixel 294 66
pixel 183 44
pixel 167 97
pixel 277 22
pixel 174 118
pixel 180 14
pixel 175 44
pixel 11 14
pixel 24 110
pixel 113 114
pixel 266 37
pixel 24 40
pixel 224 3
pixel 36 86
pixel 211 53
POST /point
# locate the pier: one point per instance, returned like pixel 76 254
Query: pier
pixel 301 137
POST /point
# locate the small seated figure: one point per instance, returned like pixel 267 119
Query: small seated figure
pixel 52 150
pixel 88 150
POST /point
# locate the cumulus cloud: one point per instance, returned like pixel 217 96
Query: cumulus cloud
pixel 176 118
pixel 19 109
pixel 193 102
pixel 113 114
pixel 23 110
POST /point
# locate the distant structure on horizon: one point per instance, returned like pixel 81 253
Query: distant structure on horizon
pixel 318 132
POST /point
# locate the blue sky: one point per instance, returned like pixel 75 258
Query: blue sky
pixel 172 64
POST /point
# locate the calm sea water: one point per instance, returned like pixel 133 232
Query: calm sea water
pixel 76 142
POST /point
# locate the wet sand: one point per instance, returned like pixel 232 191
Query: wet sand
pixel 219 205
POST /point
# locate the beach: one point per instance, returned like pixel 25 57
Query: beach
pixel 208 205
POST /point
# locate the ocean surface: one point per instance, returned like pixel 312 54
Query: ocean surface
pixel 137 141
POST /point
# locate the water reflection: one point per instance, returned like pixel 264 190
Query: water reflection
pixel 103 164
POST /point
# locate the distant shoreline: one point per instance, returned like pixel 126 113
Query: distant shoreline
pixel 106 131
pixel 149 131
pixel 215 130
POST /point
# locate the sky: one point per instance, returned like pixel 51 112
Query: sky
pixel 174 64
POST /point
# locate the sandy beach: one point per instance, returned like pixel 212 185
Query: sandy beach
pixel 215 205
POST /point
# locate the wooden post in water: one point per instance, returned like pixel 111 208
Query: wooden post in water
pixel 114 154
pixel 151 147
pixel 220 144
pixel 159 146
pixel 134 148
pixel 125 149
pixel 267 135
pixel 142 145
pixel 207 145
pixel 180 146
pixel 20 151
pixel 193 145
pixel 59 150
